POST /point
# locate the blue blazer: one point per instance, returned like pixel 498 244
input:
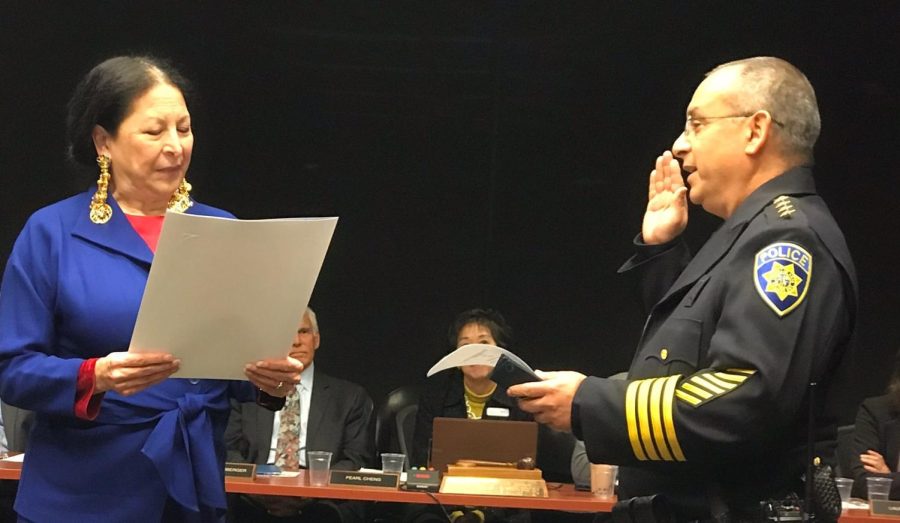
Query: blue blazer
pixel 71 290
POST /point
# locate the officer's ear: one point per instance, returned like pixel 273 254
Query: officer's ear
pixel 758 131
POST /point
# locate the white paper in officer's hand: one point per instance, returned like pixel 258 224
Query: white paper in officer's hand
pixel 475 354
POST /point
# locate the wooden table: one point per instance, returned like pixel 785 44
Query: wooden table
pixel 562 496
pixel 10 470
pixel 861 515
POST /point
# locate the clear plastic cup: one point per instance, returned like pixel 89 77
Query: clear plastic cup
pixel 603 480
pixel 392 462
pixel 844 486
pixel 318 467
pixel 879 488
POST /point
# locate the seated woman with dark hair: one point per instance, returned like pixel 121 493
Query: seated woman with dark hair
pixel 876 439
pixel 466 392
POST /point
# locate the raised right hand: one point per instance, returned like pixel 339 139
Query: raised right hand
pixel 129 372
pixel 667 212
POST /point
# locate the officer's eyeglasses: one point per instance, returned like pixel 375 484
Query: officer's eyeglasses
pixel 693 123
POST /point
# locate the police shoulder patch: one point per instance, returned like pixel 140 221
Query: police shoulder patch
pixel 782 273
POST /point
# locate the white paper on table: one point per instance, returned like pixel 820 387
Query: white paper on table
pixel 222 292
pixel 18 458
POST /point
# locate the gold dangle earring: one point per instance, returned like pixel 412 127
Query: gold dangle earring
pixel 181 200
pixel 100 210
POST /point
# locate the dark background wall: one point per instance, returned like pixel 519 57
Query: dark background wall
pixel 478 154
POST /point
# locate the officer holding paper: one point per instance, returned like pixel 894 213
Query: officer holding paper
pixel 714 411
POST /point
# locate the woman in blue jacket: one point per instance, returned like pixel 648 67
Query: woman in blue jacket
pixel 114 439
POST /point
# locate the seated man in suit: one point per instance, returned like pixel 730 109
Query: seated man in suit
pixel 324 413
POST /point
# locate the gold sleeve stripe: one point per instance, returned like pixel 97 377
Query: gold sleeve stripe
pixel 727 385
pixel 734 378
pixel 656 398
pixel 649 415
pixel 688 398
pixel 668 402
pixel 706 384
pixel 631 420
pixel 696 390
pixel 644 419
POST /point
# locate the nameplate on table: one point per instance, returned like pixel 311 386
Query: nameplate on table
pixel 365 479
pixel 240 470
pixel 884 507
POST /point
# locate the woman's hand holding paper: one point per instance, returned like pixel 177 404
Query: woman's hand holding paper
pixel 275 377
pixel 128 373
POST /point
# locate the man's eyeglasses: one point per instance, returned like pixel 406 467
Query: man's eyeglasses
pixel 694 123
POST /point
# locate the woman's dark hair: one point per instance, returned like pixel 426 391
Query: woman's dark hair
pixel 105 95
pixel 489 318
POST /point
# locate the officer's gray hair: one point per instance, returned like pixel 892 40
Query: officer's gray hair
pixel 777 86
pixel 313 322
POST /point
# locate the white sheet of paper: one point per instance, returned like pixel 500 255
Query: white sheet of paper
pixel 474 354
pixel 222 293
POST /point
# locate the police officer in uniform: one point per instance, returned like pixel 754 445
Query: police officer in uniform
pixel 714 411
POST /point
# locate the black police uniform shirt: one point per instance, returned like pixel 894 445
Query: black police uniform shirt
pixel 715 402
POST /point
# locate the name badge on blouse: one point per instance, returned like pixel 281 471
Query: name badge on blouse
pixel 497 412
